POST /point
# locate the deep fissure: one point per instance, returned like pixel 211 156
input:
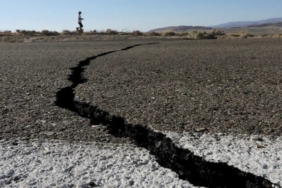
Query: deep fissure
pixel 182 161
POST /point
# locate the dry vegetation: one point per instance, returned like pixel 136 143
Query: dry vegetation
pixel 26 35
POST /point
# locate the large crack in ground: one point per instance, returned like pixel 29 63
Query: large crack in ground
pixel 182 161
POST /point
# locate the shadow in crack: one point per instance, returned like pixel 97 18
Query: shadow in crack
pixel 65 99
pixel 182 161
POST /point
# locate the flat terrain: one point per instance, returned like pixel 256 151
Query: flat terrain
pixel 31 74
pixel 230 86
pixel 216 88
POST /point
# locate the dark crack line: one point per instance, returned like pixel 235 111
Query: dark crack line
pixel 65 97
pixel 182 161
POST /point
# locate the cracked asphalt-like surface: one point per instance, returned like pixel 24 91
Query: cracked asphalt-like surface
pixel 230 86
pixel 31 74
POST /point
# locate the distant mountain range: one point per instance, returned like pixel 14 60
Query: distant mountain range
pixel 275 22
pixel 181 28
pixel 247 23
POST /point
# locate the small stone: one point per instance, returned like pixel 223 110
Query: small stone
pixel 95 126
pixel 10 173
pixel 201 129
pixel 17 178
pixel 259 139
pixel 92 184
pixel 260 146
pixel 131 183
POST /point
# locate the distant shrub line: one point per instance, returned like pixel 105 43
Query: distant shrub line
pixel 193 34
pixel 213 34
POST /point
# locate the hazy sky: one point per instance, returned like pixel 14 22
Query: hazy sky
pixel 130 15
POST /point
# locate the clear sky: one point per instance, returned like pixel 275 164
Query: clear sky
pixel 129 15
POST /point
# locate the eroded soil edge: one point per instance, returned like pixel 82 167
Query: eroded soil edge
pixel 182 161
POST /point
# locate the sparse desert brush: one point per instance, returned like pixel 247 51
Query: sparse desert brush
pixel 201 35
pixel 5 39
pixel 153 34
pixel 111 32
pixel 271 36
pixel 277 36
pixel 11 39
pixel 248 35
pixel 23 32
pixel 245 34
pixel 233 34
pixel 101 32
pixel 66 32
pixel 27 32
pixel 49 33
pixel 264 35
pixel 210 36
pixel 125 33
pixel 87 33
pixel 196 35
pixel 218 32
pixel 183 34
pixel 169 33
pixel 241 34
pixel 91 32
pixel 5 33
pixel 137 33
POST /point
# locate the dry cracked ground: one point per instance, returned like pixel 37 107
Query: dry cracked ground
pixel 206 86
pixel 229 86
pixel 31 75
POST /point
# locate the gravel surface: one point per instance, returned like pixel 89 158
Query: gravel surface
pixel 31 74
pixel 255 154
pixel 230 86
pixel 37 163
